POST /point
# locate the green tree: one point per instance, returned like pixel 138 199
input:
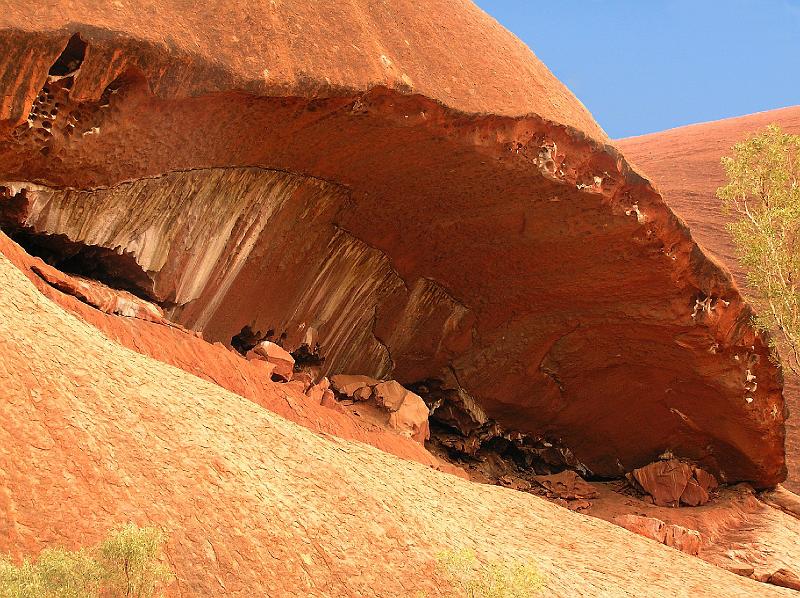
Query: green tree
pixel 126 564
pixel 129 559
pixel 763 195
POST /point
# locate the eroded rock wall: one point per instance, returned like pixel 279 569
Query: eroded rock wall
pixel 685 164
pixel 93 435
pixel 512 257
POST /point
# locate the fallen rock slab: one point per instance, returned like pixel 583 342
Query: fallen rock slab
pixel 567 485
pixel 100 296
pixel 672 482
pixel 675 536
pixel 276 355
pixel 349 385
pixel 785 578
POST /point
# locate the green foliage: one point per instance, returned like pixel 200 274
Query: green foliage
pixel 129 558
pixel 493 579
pixel 56 573
pixel 125 564
pixel 763 195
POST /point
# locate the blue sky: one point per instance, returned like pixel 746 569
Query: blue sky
pixel 647 65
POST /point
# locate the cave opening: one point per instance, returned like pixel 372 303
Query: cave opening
pixel 116 270
pixel 483 447
pixel 71 58
pixel 308 357
pixel 248 338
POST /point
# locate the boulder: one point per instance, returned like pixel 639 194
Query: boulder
pixel 706 481
pixel 329 400
pixel 304 379
pixel 317 391
pixel 277 356
pixel 567 485
pixel 348 385
pixel 665 481
pixel 676 536
pixel 264 368
pixel 411 418
pixel 391 395
pixel 785 578
pixel 363 394
pixel 672 482
pixel 408 413
pixel 694 494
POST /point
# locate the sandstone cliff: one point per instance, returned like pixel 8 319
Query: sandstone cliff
pixel 424 196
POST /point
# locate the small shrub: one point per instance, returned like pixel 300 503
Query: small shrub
pixel 129 559
pixel 493 579
pixel 57 573
pixel 125 564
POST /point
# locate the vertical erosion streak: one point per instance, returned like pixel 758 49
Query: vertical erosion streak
pixel 190 231
pixel 341 301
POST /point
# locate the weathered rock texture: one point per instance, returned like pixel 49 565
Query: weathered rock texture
pixel 214 363
pixel 672 483
pixel 388 403
pixel 435 212
pixel 685 164
pixel 93 434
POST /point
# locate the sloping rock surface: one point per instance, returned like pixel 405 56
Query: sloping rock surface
pixel 433 212
pixel 216 364
pixel 93 434
pixel 685 165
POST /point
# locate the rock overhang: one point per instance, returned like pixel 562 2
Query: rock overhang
pixel 515 259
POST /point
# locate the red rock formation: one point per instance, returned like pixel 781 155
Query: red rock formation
pixel 216 364
pixel 740 530
pixel 671 483
pixel 94 434
pixel 434 212
pixel 279 358
pixel 391 405
pixel 684 163
pixel 107 300
pixel 680 538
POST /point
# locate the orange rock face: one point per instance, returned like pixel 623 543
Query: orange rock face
pixel 685 165
pixel 216 364
pixel 672 483
pixel 95 434
pixel 432 213
pixel 680 538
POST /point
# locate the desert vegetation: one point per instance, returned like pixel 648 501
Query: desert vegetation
pixel 763 196
pixel 491 579
pixel 126 564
